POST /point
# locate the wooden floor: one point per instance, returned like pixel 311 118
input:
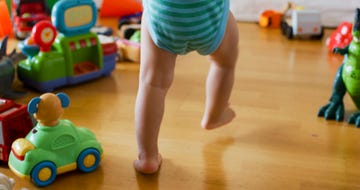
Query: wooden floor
pixel 275 142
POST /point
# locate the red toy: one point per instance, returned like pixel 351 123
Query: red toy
pixel 341 37
pixel 111 8
pixel 26 13
pixel 15 122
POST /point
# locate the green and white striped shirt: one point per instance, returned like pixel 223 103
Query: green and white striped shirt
pixel 181 26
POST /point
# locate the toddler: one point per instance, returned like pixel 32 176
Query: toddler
pixel 176 27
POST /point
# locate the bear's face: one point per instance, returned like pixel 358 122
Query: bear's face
pixel 49 110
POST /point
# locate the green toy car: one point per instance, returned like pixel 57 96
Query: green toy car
pixel 48 151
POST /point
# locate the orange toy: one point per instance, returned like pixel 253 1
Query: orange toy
pixel 270 19
pixel 120 8
pixel 5 21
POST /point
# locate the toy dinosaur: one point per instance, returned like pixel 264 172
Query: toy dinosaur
pixel 7 72
pixel 347 79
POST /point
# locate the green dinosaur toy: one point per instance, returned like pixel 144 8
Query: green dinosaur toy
pixel 347 79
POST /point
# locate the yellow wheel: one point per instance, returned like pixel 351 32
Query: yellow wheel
pixel 43 173
pixel 88 160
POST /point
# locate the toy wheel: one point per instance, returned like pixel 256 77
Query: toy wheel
pixel 283 26
pixel 289 32
pixel 43 173
pixel 318 37
pixel 88 160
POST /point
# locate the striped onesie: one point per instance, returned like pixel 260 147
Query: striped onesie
pixel 181 26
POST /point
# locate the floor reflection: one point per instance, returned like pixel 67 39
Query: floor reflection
pixel 215 177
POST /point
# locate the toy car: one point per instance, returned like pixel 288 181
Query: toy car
pixel 54 145
pixel 26 13
pixel 15 122
pixel 302 23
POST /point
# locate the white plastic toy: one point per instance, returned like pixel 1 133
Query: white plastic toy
pixel 6 183
pixel 302 23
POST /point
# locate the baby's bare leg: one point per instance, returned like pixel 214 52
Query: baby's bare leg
pixel 220 79
pixel 156 76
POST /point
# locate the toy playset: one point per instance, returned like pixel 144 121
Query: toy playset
pixel 347 79
pixel 26 13
pixel 69 53
pixel 54 145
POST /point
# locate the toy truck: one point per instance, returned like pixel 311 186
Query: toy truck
pixel 26 13
pixel 15 122
pixel 302 23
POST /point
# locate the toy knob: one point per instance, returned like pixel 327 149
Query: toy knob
pixel 44 34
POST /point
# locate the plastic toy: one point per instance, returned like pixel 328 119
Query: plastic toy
pixel 273 18
pixel 347 80
pixel 15 122
pixel 128 50
pixel 102 30
pixel 54 146
pixel 341 37
pixel 6 183
pixel 302 23
pixel 111 8
pixel 129 24
pixel 7 73
pixel 270 19
pixel 5 20
pixel 73 55
pixel 129 43
pixel 26 13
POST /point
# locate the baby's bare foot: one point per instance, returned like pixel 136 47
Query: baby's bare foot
pixel 149 166
pixel 227 116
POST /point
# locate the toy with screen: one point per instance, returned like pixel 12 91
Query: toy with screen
pixel 69 52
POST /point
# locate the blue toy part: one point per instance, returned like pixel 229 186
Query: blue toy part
pixel 29 50
pixel 88 160
pixel 32 106
pixel 68 21
pixel 64 98
pixel 44 173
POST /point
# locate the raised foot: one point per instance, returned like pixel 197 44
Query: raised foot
pixel 332 111
pixel 227 116
pixel 148 166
